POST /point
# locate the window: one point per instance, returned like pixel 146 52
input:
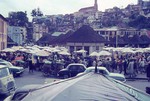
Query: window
pixel 103 72
pixel 4 72
pixel 81 68
pixel 97 48
pixel 72 68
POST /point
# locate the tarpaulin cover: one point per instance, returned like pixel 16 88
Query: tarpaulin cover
pixel 90 87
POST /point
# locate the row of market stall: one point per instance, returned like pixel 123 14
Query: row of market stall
pixel 46 51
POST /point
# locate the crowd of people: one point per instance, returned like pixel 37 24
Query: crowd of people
pixel 128 64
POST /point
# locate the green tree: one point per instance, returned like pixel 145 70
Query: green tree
pixel 140 22
pixel 36 12
pixel 18 19
pixel 33 13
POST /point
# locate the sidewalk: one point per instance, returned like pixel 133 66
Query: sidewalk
pixel 138 77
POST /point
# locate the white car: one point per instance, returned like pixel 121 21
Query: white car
pixel 15 70
pixel 104 71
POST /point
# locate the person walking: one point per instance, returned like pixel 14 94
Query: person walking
pixel 131 68
pixel 125 65
pixel 148 71
pixel 30 66
pixel 120 65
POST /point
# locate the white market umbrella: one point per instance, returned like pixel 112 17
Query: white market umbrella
pixel 139 50
pixel 127 50
pixel 104 53
pixel 8 50
pixel 31 51
pixel 147 49
pixel 17 47
pixel 53 50
pixel 42 53
pixel 23 50
pixel 81 51
pixel 64 53
pixel 108 48
pixel 118 49
pixel 94 54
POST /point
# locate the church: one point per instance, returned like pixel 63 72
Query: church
pixel 88 11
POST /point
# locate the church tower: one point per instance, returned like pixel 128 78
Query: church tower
pixel 96 5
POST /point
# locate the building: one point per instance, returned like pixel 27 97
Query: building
pixel 84 38
pixel 145 6
pixel 88 11
pixel 116 36
pixel 39 30
pixel 3 32
pixel 17 34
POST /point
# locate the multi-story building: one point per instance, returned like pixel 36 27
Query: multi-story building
pixel 17 34
pixel 3 32
pixel 116 36
pixel 113 31
pixel 39 30
pixel 145 6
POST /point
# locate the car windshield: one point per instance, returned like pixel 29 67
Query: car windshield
pixel 4 72
pixel 6 63
pixel 101 71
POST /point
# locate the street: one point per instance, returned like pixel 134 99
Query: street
pixel 37 78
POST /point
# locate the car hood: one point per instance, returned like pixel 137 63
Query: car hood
pixel 16 67
pixel 116 75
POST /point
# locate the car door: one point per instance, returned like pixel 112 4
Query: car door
pixel 73 70
pixel 81 68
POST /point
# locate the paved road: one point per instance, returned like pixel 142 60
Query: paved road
pixel 38 78
pixel 140 83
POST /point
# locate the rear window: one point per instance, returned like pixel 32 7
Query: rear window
pixel 76 67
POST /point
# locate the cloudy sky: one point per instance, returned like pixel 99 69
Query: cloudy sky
pixel 49 7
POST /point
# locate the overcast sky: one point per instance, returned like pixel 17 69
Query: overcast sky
pixel 49 7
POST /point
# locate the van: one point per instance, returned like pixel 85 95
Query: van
pixel 7 82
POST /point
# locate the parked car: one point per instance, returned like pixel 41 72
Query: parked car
pixel 104 71
pixel 7 82
pixel 20 63
pixel 88 87
pixel 71 70
pixel 16 70
pixel 51 68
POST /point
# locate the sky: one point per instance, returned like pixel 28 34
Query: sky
pixel 50 7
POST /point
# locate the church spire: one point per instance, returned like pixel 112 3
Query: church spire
pixel 96 5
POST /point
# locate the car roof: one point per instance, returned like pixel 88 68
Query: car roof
pixel 76 64
pixel 3 66
pixel 99 67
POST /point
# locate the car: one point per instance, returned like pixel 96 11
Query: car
pixel 16 70
pixel 104 71
pixel 20 63
pixel 7 82
pixel 88 87
pixel 71 70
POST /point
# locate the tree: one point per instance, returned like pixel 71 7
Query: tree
pixel 18 19
pixel 33 13
pixel 140 22
pixel 36 12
